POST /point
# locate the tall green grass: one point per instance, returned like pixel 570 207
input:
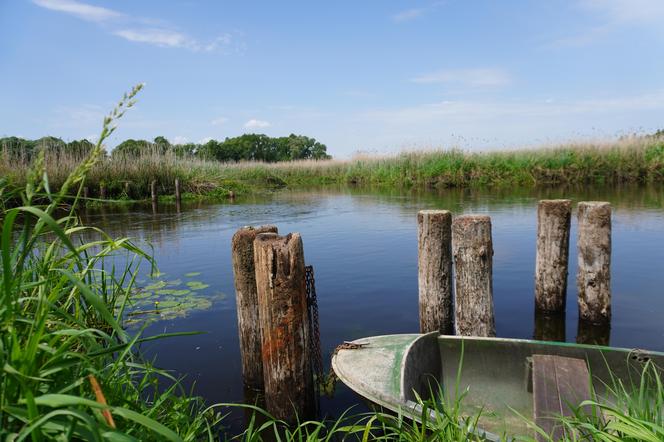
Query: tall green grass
pixel 69 369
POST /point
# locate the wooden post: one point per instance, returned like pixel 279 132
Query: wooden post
pixel 86 194
pixel 126 188
pixel 473 258
pixel 434 234
pixel 244 271
pixel 553 223
pixel 153 190
pixel 231 195
pixel 102 191
pixel 177 191
pixel 594 274
pixel 282 311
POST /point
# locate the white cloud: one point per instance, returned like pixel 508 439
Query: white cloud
pixel 480 77
pixel 414 13
pixel 81 10
pixel 169 38
pixel 179 140
pixel 163 36
pixel 253 124
pixel 219 121
pixel 627 11
pixel 408 14
pixel 611 15
pixel 478 111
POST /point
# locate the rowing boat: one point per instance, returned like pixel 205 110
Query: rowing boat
pixel 502 378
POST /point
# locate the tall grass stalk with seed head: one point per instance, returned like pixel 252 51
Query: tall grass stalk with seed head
pixel 69 369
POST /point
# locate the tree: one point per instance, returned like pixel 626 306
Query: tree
pixel 132 148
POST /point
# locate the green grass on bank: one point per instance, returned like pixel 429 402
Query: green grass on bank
pixel 632 160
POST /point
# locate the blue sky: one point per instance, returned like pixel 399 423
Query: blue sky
pixel 371 76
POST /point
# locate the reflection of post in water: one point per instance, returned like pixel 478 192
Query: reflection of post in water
pixel 154 207
pixel 549 327
pixel 253 396
pixel 594 334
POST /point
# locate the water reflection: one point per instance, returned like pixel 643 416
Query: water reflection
pixel 549 327
pixel 593 334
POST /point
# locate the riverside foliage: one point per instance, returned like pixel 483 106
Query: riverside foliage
pixel 631 160
pixel 247 147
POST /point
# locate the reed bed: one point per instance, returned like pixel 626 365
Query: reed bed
pixel 631 160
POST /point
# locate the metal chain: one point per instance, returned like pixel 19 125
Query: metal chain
pixel 314 341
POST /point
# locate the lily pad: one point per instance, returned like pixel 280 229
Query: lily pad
pixel 166 304
pixel 192 274
pixel 197 285
pixel 174 292
pixel 156 285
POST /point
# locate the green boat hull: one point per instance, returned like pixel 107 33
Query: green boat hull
pixel 493 373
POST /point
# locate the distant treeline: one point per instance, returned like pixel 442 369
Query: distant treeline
pixel 247 147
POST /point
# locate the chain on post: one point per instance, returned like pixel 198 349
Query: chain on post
pixel 314 341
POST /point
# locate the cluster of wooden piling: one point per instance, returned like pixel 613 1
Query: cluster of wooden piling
pixel 270 289
pixel 462 246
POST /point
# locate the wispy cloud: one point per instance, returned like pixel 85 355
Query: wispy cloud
pixel 627 11
pixel 468 111
pixel 83 11
pixel 124 26
pixel 413 13
pixel 219 121
pixel 254 124
pixel 408 14
pixel 180 140
pixel 611 15
pixel 480 77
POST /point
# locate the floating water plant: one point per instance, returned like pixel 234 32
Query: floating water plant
pixel 197 285
pixel 164 300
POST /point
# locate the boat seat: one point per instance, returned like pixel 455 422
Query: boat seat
pixel 559 385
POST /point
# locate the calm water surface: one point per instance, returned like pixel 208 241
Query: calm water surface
pixel 363 245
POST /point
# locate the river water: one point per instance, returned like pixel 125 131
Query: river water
pixel 363 246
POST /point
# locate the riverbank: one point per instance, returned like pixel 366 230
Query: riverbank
pixel 633 160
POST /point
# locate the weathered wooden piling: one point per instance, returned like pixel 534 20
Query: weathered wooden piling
pixel 282 306
pixel 473 260
pixel 231 195
pixel 177 191
pixel 126 188
pixel 551 263
pixel 244 271
pixel 102 191
pixel 434 234
pixel 86 192
pixel 594 273
pixel 153 191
